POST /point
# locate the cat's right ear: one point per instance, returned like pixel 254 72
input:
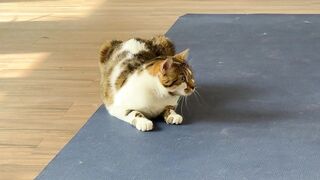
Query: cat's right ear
pixel 166 65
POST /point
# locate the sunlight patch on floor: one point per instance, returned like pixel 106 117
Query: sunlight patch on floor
pixel 20 65
pixel 58 10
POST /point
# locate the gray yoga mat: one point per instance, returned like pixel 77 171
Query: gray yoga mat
pixel 258 116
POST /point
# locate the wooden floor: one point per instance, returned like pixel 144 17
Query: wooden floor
pixel 48 64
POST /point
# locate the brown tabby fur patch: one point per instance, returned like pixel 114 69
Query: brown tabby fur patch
pixel 166 111
pixel 106 69
pixel 165 46
pixel 107 49
pixel 159 46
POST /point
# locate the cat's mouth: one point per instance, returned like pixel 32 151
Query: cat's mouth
pixel 189 90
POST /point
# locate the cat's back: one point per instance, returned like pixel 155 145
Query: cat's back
pixel 120 60
pixel 119 50
pixel 137 48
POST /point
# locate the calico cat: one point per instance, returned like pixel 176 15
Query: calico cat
pixel 142 79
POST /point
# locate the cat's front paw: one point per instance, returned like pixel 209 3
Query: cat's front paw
pixel 143 124
pixel 174 119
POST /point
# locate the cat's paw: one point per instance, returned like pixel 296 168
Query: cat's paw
pixel 143 124
pixel 174 119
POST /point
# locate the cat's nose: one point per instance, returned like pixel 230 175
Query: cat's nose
pixel 192 87
pixel 189 89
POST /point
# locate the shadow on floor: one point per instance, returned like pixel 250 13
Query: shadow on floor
pixel 230 103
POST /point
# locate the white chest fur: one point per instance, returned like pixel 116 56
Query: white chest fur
pixel 143 92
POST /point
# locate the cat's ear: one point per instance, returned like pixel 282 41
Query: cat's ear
pixel 166 65
pixel 182 56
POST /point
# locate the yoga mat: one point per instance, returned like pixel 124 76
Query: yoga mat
pixel 258 116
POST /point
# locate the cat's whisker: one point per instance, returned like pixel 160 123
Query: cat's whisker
pixel 200 97
pixel 184 100
pixel 181 104
pixel 187 102
pixel 201 100
pixel 197 98
pixel 179 100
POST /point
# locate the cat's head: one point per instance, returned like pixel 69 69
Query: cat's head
pixel 176 75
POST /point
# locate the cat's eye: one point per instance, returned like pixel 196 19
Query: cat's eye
pixel 182 78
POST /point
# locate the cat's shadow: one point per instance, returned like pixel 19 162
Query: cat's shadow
pixel 229 103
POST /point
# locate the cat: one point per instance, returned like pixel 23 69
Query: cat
pixel 144 78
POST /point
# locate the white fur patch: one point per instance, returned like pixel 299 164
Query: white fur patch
pixel 180 89
pixel 143 124
pixel 174 118
pixel 144 93
pixel 133 46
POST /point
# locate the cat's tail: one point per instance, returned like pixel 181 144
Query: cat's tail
pixel 163 46
pixel 106 50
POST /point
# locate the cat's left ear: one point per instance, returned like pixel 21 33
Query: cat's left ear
pixel 166 65
pixel 182 56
